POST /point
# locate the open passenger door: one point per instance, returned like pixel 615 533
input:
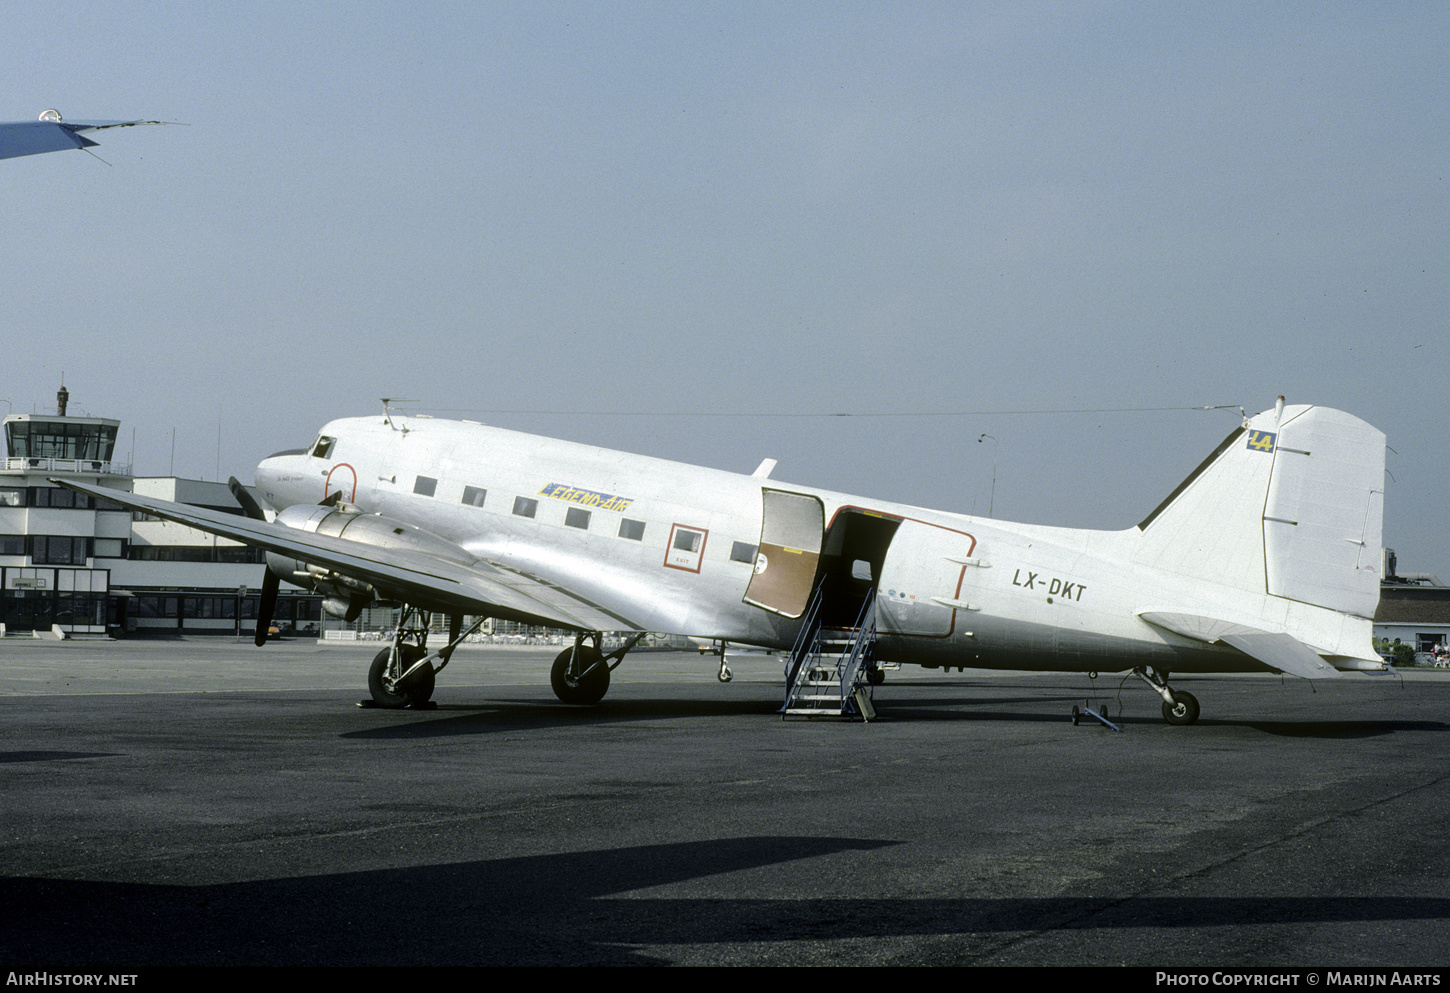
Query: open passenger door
pixel 791 532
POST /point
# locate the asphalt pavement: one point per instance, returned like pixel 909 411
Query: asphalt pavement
pixel 208 803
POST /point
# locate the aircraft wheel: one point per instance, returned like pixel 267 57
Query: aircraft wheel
pixel 572 689
pixel 416 691
pixel 1075 715
pixel 725 675
pixel 875 676
pixel 1183 711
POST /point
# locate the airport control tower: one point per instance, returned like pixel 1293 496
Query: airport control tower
pixel 73 565
pixel 59 443
pixel 57 547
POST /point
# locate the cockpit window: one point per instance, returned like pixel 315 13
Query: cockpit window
pixel 323 448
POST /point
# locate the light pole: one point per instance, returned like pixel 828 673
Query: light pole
pixel 992 500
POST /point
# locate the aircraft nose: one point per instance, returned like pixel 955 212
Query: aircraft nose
pixel 274 469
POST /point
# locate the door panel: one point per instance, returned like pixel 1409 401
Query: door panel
pixel 791 531
pixel 923 568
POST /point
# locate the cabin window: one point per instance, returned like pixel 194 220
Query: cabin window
pixel 425 485
pixel 323 448
pixel 473 496
pixel 687 548
pixel 576 518
pixel 742 552
pixel 525 507
pixel 633 530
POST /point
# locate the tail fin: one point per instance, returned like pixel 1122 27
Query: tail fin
pixel 1290 505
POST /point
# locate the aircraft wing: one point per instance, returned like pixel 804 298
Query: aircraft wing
pixel 477 587
pixel 34 137
pixel 1277 650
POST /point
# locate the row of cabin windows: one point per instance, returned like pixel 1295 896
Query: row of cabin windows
pixel 686 540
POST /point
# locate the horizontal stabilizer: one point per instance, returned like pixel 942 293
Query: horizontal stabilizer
pixel 1278 650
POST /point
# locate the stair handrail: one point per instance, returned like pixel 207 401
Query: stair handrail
pixel 805 645
pixel 861 645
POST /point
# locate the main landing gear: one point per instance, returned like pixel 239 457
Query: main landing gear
pixel 403 674
pixel 581 674
pixel 1179 706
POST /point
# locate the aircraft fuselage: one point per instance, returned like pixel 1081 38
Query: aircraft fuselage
pixel 676 548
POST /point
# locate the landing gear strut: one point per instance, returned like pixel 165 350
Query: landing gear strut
pixel 403 674
pixel 1179 706
pixel 581 674
pixel 724 675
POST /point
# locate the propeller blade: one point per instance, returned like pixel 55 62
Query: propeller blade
pixel 270 585
pixel 244 497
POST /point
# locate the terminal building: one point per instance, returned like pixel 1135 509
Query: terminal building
pixel 74 566
pixel 1414 609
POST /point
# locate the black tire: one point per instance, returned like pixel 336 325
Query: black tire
pixel 415 692
pixel 875 676
pixel 588 689
pixel 1184 709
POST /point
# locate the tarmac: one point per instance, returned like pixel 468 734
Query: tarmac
pixel 208 803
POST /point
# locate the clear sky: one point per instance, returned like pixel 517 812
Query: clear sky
pixel 690 229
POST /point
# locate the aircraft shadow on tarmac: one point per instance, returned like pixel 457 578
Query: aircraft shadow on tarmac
pixel 42 756
pixel 454 720
pixel 1340 729
pixel 495 716
pixel 565 909
pixel 1044 709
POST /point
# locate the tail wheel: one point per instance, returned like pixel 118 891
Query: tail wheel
pixel 415 691
pixel 586 681
pixel 1183 709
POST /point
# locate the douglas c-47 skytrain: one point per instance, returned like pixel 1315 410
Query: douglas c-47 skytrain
pixel 1266 558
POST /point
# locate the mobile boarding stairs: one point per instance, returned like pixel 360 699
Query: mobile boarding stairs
pixel 828 671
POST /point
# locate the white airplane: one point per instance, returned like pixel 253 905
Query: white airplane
pixel 1266 558
pixel 52 134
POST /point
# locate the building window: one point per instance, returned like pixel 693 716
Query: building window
pixel 58 550
pixel 633 530
pixel 424 486
pixel 473 495
pixel 742 552
pixel 59 496
pixel 55 440
pixel 12 544
pixel 576 518
pixel 53 496
pixel 12 497
pixel 525 507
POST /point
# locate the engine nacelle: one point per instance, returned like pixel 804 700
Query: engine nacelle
pixel 351 524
